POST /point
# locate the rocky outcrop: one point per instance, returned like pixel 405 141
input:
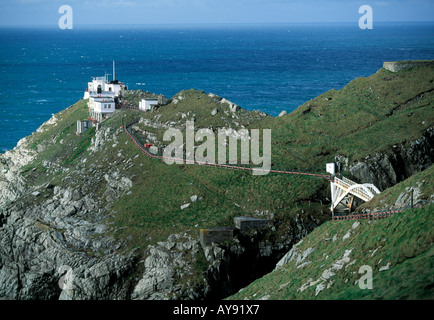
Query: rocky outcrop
pixel 32 251
pixel 166 267
pixel 410 196
pixel 388 168
pixel 12 184
pixel 47 229
pixel 249 256
pixel 396 66
pixel 302 257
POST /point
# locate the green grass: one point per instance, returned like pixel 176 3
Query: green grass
pixel 390 195
pixel 368 116
pixel 403 241
pixel 57 144
pixel 198 105
pixel 352 122
pixel 83 145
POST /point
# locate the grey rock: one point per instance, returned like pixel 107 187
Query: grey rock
pixel 402 161
pixel 185 206
pixel 411 193
pixel 165 264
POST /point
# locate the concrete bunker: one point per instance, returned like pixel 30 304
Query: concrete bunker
pixel 221 234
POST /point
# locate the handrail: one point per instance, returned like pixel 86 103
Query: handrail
pixel 233 167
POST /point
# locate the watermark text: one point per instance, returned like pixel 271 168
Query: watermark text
pixel 205 153
pixel 65 21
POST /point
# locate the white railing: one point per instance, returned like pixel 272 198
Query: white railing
pixel 359 190
pixel 343 187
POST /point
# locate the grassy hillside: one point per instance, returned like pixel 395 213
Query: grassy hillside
pixel 423 181
pixel 198 105
pixel 151 210
pixel 369 115
pixel 398 250
pixel 55 142
pixel 326 263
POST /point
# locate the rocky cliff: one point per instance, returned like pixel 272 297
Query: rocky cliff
pixel 388 258
pixel 46 230
pixel 386 169
pixel 89 216
pixel 58 240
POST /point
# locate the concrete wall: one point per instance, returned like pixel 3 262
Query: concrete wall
pixel 216 235
pixel 107 88
pixel 96 82
pixel 146 104
pixel 83 125
pixel 115 88
pixel 244 224
pixel 396 66
pixel 100 98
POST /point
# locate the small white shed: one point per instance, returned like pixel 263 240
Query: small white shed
pixel 147 104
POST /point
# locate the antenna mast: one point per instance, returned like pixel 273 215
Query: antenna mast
pixel 114 77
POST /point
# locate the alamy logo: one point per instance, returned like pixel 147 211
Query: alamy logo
pixel 205 153
pixel 365 281
pixel 367 20
pixel 65 21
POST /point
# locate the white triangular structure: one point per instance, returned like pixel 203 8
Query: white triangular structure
pixel 346 189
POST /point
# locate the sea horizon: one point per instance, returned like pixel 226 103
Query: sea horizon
pixel 264 66
pixel 218 24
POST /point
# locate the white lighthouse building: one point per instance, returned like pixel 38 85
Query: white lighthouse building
pixel 102 86
pixel 102 94
pixel 101 107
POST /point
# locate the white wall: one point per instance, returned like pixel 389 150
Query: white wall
pixel 93 100
pixel 92 87
pixel 146 104
pixel 104 106
pixel 115 87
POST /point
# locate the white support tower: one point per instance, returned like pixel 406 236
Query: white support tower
pixel 344 190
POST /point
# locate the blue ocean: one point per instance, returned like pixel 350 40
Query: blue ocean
pixel 264 67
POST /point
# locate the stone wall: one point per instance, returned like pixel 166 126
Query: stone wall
pixel 244 224
pixel 83 125
pixel 396 66
pixel 216 235
pixel 219 235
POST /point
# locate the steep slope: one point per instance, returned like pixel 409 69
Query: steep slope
pixel 379 128
pixel 330 262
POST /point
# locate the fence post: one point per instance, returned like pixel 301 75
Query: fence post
pixel 412 192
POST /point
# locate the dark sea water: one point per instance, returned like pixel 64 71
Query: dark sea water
pixel 265 67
